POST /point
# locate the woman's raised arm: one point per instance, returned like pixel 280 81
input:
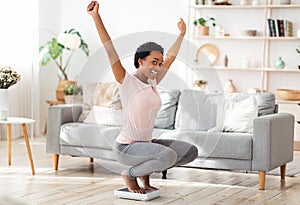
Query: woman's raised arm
pixel 117 68
pixel 173 51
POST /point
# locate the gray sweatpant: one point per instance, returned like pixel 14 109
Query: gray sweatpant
pixel 146 158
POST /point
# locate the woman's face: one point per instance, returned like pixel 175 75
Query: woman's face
pixel 151 65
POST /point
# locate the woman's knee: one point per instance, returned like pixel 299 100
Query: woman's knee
pixel 193 152
pixel 168 157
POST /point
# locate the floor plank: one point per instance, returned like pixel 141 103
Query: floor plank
pixel 80 182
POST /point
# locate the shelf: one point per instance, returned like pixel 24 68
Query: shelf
pixel 282 38
pixel 230 37
pixel 236 69
pixel 280 101
pixel 285 70
pixel 247 38
pixel 245 7
pixel 283 6
pixel 227 7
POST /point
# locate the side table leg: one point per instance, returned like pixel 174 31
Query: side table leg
pixel 9 143
pixel 28 148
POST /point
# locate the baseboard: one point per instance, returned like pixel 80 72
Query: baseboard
pixel 297 145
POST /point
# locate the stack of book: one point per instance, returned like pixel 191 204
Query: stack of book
pixel 280 28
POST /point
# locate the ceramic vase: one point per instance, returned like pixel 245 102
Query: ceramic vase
pixel 4 104
pixel 60 91
pixel 230 87
pixel 279 63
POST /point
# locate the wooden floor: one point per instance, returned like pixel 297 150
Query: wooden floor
pixel 80 182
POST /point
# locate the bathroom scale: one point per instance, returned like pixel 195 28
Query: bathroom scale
pixel 149 195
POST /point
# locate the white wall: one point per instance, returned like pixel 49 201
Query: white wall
pixel 120 17
pixel 16 40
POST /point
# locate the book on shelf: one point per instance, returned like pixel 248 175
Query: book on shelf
pixel 272 29
pixel 280 28
pixel 288 28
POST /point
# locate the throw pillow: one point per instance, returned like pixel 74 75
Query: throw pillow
pixel 103 94
pixel 166 115
pixel 196 111
pixel 235 116
pixel 104 116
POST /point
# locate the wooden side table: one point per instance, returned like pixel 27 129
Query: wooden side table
pixel 23 122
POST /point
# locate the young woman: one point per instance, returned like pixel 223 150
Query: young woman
pixel 140 101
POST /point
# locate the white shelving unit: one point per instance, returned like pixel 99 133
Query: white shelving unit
pixel 263 52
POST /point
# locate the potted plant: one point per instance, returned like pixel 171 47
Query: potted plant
pixel 64 44
pixel 8 77
pixel 203 27
pixel 73 94
pixel 201 84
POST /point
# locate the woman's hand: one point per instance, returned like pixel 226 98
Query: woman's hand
pixel 93 8
pixel 182 27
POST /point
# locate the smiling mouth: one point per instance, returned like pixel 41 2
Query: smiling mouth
pixel 154 72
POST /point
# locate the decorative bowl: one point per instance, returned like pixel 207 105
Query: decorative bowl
pixel 249 32
pixel 287 94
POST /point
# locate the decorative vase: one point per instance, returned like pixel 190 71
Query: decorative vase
pixel 285 2
pixel 203 30
pixel 230 87
pixel 4 104
pixel 60 91
pixel 279 63
pixel 73 99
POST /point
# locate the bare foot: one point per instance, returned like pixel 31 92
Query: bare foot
pixel 146 182
pixel 132 184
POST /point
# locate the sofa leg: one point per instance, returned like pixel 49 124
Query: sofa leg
pixel 91 159
pixel 261 179
pixel 164 174
pixel 282 171
pixel 55 161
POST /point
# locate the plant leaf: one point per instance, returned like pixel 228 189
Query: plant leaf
pixel 45 59
pixel 55 49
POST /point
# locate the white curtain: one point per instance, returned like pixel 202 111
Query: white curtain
pixel 19 19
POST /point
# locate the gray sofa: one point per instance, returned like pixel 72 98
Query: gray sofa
pixel 189 116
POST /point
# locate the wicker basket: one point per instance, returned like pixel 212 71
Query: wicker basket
pixel 287 94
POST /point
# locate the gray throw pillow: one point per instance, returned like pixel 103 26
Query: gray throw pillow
pixel 166 115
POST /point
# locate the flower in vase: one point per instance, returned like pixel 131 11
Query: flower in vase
pixel 8 77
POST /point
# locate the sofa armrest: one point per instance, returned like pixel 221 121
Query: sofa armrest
pixel 273 141
pixel 58 115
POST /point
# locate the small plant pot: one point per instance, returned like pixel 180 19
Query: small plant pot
pixel 204 30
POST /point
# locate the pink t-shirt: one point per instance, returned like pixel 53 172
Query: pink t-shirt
pixel 140 103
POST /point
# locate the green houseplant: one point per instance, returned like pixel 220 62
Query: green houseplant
pixel 65 44
pixel 73 90
pixel 203 24
pixel 73 94
pixel 68 41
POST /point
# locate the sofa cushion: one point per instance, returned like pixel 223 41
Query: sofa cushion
pixel 196 111
pixel 104 116
pixel 107 114
pixel 265 101
pixel 104 94
pixel 88 135
pixel 166 115
pixel 236 116
pixel 213 144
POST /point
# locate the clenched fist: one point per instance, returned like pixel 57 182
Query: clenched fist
pixel 93 8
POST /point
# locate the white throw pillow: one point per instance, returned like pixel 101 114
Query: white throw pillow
pixel 104 116
pixel 236 116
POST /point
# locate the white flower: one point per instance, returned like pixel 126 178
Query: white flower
pixel 71 41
